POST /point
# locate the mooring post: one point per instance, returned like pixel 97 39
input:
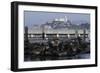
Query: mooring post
pixel 76 33
pixel 84 33
pixel 26 33
pixel 43 33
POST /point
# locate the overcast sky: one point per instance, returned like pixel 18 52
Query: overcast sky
pixel 37 18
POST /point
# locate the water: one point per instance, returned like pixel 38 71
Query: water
pixel 44 58
pixel 84 56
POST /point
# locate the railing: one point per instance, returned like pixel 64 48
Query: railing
pixel 56 35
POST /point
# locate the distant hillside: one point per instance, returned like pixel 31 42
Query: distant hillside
pixel 62 23
pixel 68 24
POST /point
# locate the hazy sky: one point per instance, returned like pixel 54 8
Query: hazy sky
pixel 36 17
